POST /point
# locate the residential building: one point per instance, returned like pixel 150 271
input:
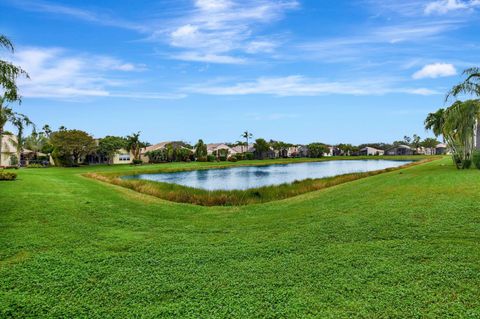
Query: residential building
pixel 371 151
pixel 441 149
pixel 216 148
pixel 400 150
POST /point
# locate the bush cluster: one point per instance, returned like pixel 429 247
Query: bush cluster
pixel 35 166
pixel 7 176
pixel 476 158
pixel 201 159
pixel 232 159
pixel 211 158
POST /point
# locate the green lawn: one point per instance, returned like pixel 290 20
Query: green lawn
pixel 399 244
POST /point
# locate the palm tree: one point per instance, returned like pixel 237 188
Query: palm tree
pixel 247 135
pixel 134 145
pixel 457 125
pixel 471 85
pixel 8 83
pixel 435 122
pixel 20 121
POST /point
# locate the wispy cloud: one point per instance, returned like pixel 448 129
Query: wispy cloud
pixel 435 70
pixel 57 73
pixel 217 31
pixel 80 14
pixel 446 6
pixel 296 85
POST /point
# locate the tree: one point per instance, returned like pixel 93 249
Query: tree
pixel 407 140
pixel 261 148
pixel 415 141
pixel 9 74
pixel 247 135
pixel 71 145
pixel 47 130
pixel 36 142
pixel 471 84
pixel 20 121
pixel 317 150
pixel 458 129
pixel 430 143
pixel 200 149
pixel 134 145
pixel 435 122
pixel 110 145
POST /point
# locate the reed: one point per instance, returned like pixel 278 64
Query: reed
pixel 184 194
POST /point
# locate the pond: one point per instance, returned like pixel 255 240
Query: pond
pixel 245 177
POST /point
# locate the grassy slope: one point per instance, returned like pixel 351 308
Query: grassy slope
pixel 400 244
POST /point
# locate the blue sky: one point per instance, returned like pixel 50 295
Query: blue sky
pixel 295 70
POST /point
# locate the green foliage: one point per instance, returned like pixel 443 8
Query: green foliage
pixel 7 176
pixel 261 148
pixel 211 158
pixel 457 126
pixel 70 146
pixel 317 150
pixel 232 159
pixel 202 159
pixel 13 160
pixel 430 142
pixel 110 145
pixel 173 152
pixel 476 158
pixel 35 166
pixel 9 73
pixel 200 149
pixel 137 162
pixel 249 156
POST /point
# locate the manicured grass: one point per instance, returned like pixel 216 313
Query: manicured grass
pixel 400 244
pixel 184 194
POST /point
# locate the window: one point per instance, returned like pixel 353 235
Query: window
pixel 124 157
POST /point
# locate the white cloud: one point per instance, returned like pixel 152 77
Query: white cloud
pixel 59 74
pixel 445 6
pixel 435 70
pixel 221 28
pixel 296 85
pixel 209 58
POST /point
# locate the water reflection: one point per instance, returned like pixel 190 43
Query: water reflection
pixel 256 176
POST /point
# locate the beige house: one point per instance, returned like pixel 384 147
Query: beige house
pixel 122 157
pixel 215 147
pixel 8 150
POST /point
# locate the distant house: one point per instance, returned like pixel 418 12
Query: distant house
pixel 158 147
pixel 216 148
pixel 370 151
pixel 8 150
pixel 9 155
pixel 441 149
pixel 400 150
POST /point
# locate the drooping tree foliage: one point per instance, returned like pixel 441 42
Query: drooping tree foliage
pixel 457 125
pixel 317 150
pixel 9 73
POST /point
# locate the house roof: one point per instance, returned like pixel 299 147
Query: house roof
pixel 441 145
pixel 371 148
pixel 155 147
pixel 217 146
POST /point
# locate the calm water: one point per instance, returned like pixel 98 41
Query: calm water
pixel 256 176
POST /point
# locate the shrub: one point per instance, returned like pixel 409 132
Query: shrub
pixel 35 166
pixel 249 156
pixel 137 162
pixel 222 158
pixel 240 156
pixel 232 159
pixel 13 160
pixel 7 176
pixel 201 159
pixel 476 158
pixel 466 164
pixel 211 158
